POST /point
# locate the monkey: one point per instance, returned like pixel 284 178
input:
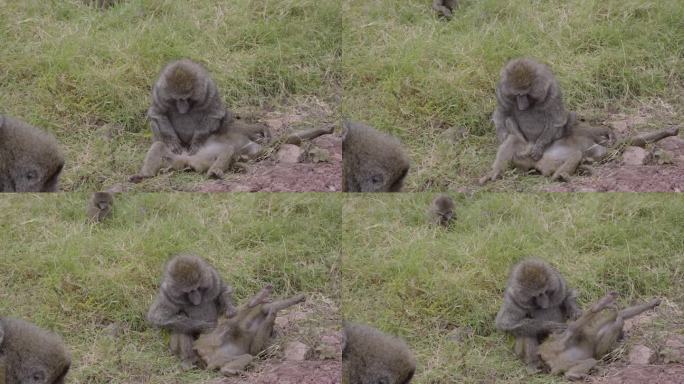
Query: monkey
pixel 30 354
pixel 101 4
pixel 370 356
pixel 186 107
pixel 585 143
pixel 588 339
pixel 30 159
pixel 99 206
pixel 219 153
pixel 537 302
pixel 232 345
pixel 371 161
pixel 444 8
pixel 191 297
pixel 441 211
pixel 530 94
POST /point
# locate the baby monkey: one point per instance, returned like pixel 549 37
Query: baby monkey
pixel 99 206
pixel 232 345
pixel 576 351
pixel 444 8
pixel 441 211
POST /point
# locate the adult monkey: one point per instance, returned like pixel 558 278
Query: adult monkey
pixel 529 94
pixel 186 107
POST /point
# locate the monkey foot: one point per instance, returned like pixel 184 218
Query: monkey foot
pixel 215 174
pixel 563 176
pixel 135 179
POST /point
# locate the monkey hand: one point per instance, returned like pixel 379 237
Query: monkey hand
pixel 536 152
pixel 575 314
pixel 231 312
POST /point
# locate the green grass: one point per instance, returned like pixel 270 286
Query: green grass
pixel 408 73
pixel 425 284
pixel 80 279
pixel 77 71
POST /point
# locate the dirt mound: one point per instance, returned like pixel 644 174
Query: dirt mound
pixel 643 374
pixel 292 372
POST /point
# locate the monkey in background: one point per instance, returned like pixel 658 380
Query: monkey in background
pixel 530 95
pixel 191 297
pixel 371 161
pixel 29 354
pixel 370 357
pixel 186 107
pixel 441 211
pixel 99 206
pixel 235 341
pixel 444 8
pixel 30 159
pixel 537 302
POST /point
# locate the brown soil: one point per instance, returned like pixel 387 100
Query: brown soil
pixel 617 177
pixel 643 374
pixel 292 372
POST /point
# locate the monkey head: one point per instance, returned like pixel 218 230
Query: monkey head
pixel 102 200
pixel 185 84
pixel 187 279
pixel 33 355
pixel 536 285
pixel 525 81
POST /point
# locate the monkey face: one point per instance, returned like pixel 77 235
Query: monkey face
pixel 194 296
pixel 523 102
pixel 183 105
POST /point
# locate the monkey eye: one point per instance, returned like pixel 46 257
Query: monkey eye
pixel 30 175
pixel 38 376
pixel 376 179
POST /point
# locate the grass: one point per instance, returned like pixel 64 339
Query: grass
pixel 421 78
pixel 87 282
pixel 430 285
pixel 85 75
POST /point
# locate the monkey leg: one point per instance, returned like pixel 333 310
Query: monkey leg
pixel 282 304
pixel 237 365
pixel 180 345
pixel 222 163
pixel 651 137
pixel 441 9
pixel 296 138
pixel 580 370
pixel 638 309
pixel 260 297
pixel 156 158
pixel 503 157
pixel 568 167
pixel 263 334
pixel 527 349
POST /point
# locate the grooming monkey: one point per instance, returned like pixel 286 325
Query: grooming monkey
pixel 537 302
pixel 191 298
pixel 221 151
pixel 588 339
pixel 371 161
pixel 441 211
pixel 29 354
pixel 444 8
pixel 564 156
pixel 232 345
pixel 99 206
pixel 529 94
pixel 30 159
pixel 370 357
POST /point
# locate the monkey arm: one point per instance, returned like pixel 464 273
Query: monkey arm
pixel 210 124
pixel 554 128
pixel 163 131
pixel 512 318
pixel 165 315
pixel 572 310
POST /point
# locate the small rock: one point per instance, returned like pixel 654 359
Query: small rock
pixel 674 350
pixel 330 340
pixel 640 355
pixel 635 156
pixel 296 351
pixel 319 155
pixel 328 352
pixel 664 156
pixel 289 154
pixel 619 126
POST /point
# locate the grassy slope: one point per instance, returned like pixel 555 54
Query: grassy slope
pixel 421 282
pixel 72 69
pixel 411 74
pixel 79 279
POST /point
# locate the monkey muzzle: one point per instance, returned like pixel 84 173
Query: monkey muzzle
pixel 183 106
pixel 523 102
